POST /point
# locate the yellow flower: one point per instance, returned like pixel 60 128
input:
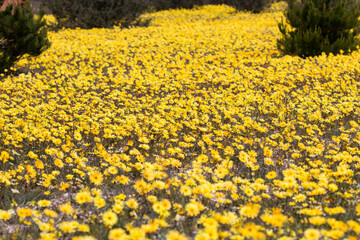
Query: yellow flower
pixel 122 179
pixel 132 203
pixel 83 228
pixel 59 163
pixel 335 224
pixel 32 155
pixel 151 198
pixel 157 207
pixel 358 210
pixel 268 161
pixel 85 237
pixel 300 197
pixel 66 147
pixel 164 213
pixel 333 187
pixel 68 226
pixel 109 218
pixel 39 164
pixel 158 184
pixel 96 177
pixel 142 187
pixel 267 152
pixel 46 227
pixel 185 190
pixel 229 151
pixel 120 197
pixel 24 212
pixel 276 220
pixel 202 158
pixel 44 203
pixel 175 235
pixel 96 192
pixel 311 212
pixel 202 236
pixel 99 202
pixel 118 207
pixel 335 210
pixel 355 226
pixel 248 191
pixel 47 236
pixel 317 220
pixel 112 170
pixel 83 197
pixel 212 232
pixel 165 204
pixel 312 234
pixel 335 234
pixel 192 209
pixel 66 208
pixel 271 175
pixel 137 234
pixel 177 207
pixel 50 213
pixel 4 156
pixel 210 222
pixel 117 234
pixel 250 210
pixel 77 135
pixel 250 229
pixel 5 215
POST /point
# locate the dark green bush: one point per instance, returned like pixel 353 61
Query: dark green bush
pixel 21 33
pixel 249 5
pixel 255 6
pixel 105 13
pixel 95 13
pixel 169 4
pixel 318 26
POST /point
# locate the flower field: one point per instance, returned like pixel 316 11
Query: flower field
pixel 195 127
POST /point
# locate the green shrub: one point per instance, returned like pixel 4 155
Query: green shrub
pixel 169 4
pixel 95 13
pixel 21 33
pixel 240 5
pixel 105 13
pixel 255 6
pixel 318 26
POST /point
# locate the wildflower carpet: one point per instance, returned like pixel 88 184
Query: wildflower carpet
pixel 195 127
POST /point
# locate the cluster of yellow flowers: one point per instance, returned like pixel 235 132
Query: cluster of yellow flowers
pixel 193 128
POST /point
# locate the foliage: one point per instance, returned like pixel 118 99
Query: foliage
pixel 255 6
pixel 240 5
pixel 95 13
pixel 317 26
pixel 172 4
pixel 105 13
pixel 21 33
